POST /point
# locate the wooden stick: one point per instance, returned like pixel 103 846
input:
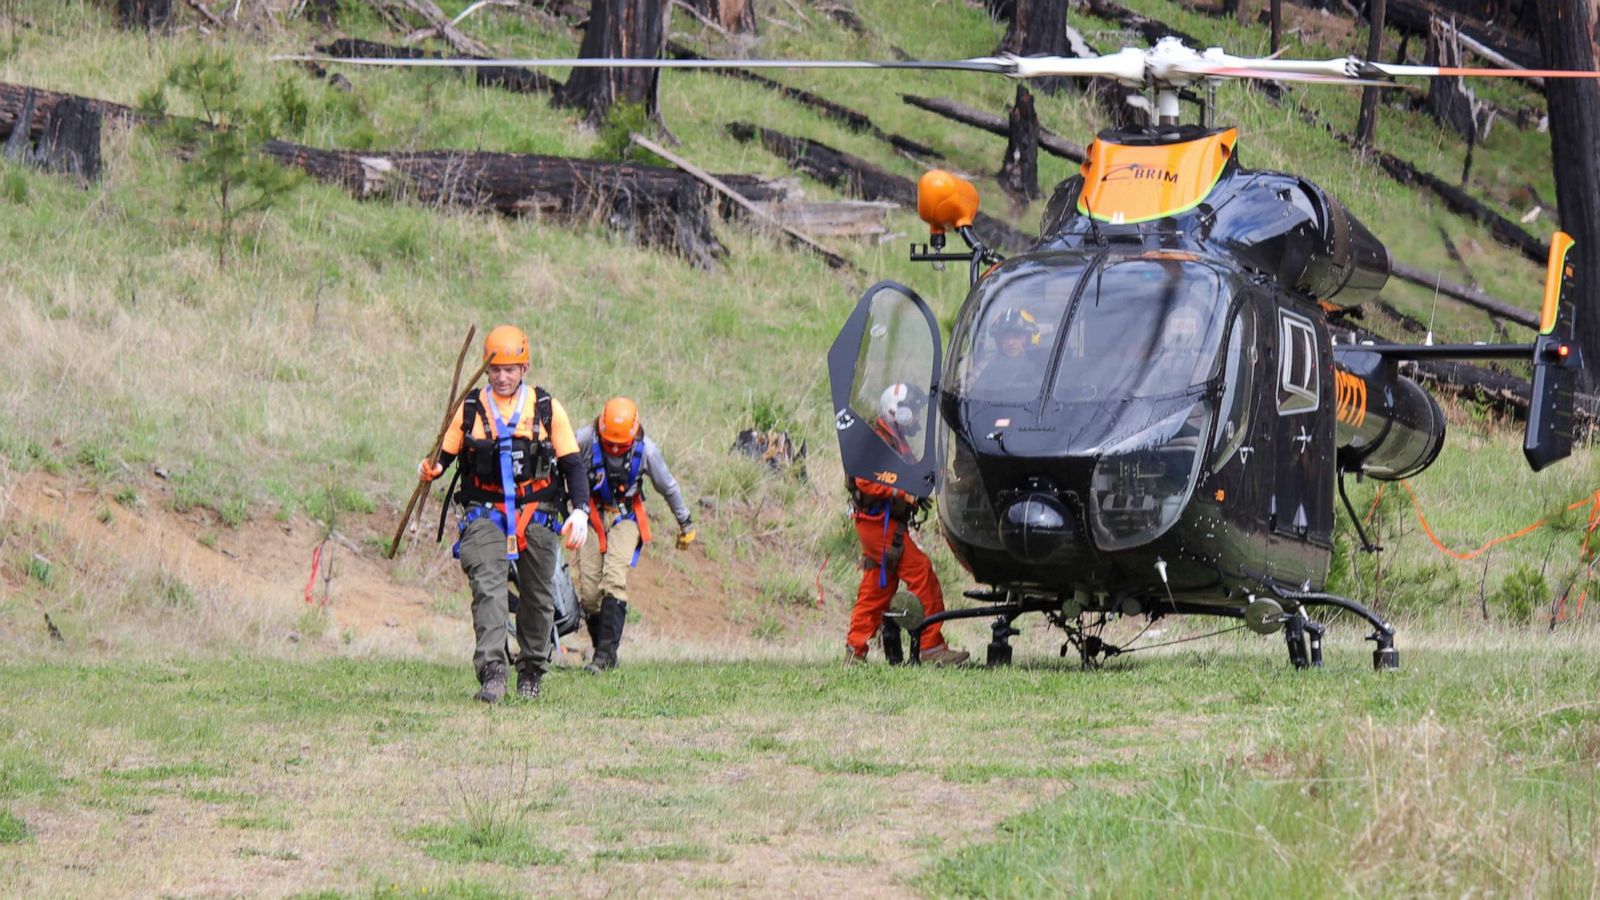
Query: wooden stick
pixel 455 383
pixel 433 455
pixel 832 259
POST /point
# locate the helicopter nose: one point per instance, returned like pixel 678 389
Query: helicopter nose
pixel 1037 526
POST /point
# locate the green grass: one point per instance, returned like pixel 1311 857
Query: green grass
pixel 1216 770
pixel 12 829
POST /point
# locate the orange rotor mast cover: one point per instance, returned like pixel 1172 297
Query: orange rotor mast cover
pixel 945 201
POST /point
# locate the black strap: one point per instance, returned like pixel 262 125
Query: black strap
pixel 449 499
pixel 541 409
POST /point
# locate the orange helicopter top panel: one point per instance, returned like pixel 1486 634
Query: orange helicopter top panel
pixel 1126 183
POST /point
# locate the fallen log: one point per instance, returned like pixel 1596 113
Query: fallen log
pixel 1049 141
pixel 1459 202
pixel 852 119
pixel 1470 296
pixel 837 218
pixel 659 208
pixel 1511 51
pixel 716 184
pixel 865 180
pixel 656 207
pixel 510 78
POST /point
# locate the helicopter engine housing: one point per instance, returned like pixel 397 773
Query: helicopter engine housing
pixel 1387 426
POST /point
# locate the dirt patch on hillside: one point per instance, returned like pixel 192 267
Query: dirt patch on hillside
pixel 274 566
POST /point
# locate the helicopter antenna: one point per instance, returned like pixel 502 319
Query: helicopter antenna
pixel 1094 226
pixel 1427 341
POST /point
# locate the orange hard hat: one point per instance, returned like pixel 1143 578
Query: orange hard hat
pixel 619 421
pixel 506 345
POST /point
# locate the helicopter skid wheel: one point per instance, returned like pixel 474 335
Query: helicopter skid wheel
pixel 999 652
pixel 1294 635
pixel 1385 658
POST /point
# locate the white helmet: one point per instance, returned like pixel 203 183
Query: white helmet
pixel 900 403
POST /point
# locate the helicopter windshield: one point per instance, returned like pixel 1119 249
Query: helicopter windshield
pixel 1134 328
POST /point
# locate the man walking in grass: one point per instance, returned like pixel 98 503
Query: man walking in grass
pixel 619 456
pixel 520 468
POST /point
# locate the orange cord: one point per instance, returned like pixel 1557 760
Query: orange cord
pixel 1590 500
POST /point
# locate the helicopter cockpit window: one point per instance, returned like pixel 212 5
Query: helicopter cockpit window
pixel 893 369
pixel 1005 350
pixel 1238 387
pixel 1297 368
pixel 1144 328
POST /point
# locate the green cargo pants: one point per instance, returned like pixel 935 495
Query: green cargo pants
pixel 483 558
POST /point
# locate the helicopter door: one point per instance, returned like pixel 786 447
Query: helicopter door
pixel 1302 503
pixel 884 371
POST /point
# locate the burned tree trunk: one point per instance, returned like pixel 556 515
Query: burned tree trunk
pixel 1567 33
pixel 1450 102
pixel 71 140
pixel 1019 171
pixel 1367 123
pixel 145 14
pixel 1039 28
pixel 732 16
pixel 631 29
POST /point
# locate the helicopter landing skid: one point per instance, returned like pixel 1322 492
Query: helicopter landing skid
pixel 999 650
pixel 1385 657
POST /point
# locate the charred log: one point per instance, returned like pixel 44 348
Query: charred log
pixel 850 118
pixel 1459 202
pixel 144 14
pixel 658 207
pixel 1049 141
pixel 510 78
pixel 865 180
pixel 71 140
pixel 1019 171
pixel 630 29
pixel 1413 17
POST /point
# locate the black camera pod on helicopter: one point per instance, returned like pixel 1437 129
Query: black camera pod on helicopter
pixel 1168 433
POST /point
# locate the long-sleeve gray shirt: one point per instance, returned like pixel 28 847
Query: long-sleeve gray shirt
pixel 653 465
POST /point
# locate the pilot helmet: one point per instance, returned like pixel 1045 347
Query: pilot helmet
pixel 900 403
pixel 1014 320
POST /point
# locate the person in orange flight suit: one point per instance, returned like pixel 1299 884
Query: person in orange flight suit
pixel 883 517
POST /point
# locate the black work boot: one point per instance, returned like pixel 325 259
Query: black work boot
pixel 600 635
pixel 528 684
pixel 616 614
pixel 493 679
pixel 613 614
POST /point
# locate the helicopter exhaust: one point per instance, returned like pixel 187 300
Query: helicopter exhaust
pixel 1387 426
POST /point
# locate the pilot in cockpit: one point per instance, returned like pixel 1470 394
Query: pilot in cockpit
pixel 1015 360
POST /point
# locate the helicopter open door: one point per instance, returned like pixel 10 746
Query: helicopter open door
pixel 884 371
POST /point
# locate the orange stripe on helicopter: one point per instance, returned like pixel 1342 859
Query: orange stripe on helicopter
pixel 1123 183
pixel 1350 398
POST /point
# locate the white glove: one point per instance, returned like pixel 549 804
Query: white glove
pixel 576 531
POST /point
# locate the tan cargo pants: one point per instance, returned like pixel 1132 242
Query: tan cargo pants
pixel 606 574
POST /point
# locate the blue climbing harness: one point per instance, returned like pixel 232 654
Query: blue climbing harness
pixel 618 498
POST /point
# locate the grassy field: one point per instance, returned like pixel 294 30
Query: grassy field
pixel 1214 772
pixel 199 731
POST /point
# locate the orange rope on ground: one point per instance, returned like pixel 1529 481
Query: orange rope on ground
pixel 1590 500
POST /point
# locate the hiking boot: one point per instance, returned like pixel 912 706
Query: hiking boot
pixel 528 685
pixel 943 655
pixel 493 679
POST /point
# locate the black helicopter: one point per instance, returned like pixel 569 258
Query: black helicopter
pixel 1170 424
pixel 1174 438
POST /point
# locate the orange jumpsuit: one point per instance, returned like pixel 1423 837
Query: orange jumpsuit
pixel 877 529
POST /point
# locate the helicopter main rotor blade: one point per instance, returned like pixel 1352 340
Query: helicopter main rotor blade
pixel 1126 65
pixel 1344 70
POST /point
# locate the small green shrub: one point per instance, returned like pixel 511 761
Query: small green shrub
pixel 1521 594
pixel 15 187
pixel 626 119
pixel 12 829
